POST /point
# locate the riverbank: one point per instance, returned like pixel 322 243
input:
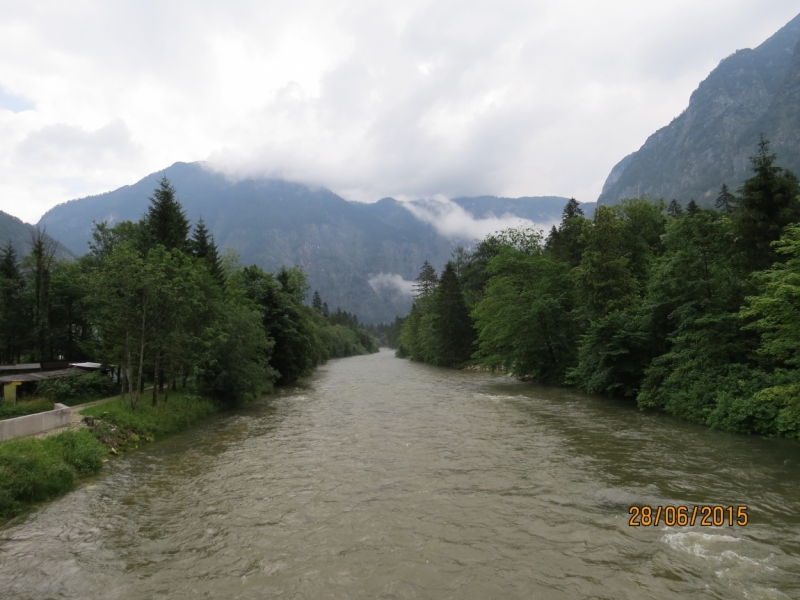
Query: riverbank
pixel 40 468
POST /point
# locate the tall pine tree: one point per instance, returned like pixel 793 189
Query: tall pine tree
pixel 203 247
pixel 165 221
pixel 767 203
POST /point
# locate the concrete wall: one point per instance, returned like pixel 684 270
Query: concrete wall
pixel 33 424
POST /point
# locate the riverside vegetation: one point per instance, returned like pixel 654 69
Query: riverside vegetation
pixel 695 312
pixel 155 300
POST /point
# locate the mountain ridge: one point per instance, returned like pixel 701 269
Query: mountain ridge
pixel 343 246
pixel 750 92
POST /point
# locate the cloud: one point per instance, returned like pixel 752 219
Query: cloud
pixel 392 282
pixel 456 223
pixel 60 145
pixel 413 99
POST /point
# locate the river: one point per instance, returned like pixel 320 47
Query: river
pixel 381 478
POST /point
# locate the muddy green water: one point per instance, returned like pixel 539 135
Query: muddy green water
pixel 380 478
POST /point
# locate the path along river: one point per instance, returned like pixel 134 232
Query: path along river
pixel 381 478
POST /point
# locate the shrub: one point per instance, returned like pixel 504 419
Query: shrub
pixel 33 470
pixel 9 410
pixel 73 390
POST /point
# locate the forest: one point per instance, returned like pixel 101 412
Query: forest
pixel 690 311
pixel 156 301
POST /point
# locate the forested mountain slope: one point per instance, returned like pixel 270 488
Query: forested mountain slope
pixel 341 245
pixel 19 234
pixel 752 92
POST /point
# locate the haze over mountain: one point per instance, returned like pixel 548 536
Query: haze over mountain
pixel 361 257
pixel 751 92
pixel 19 234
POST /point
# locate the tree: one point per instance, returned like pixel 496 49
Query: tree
pixel 451 334
pixel 767 203
pixel 204 248
pixel 316 302
pixel 725 202
pixel 525 321
pixel 165 222
pixel 695 294
pixel 565 243
pixel 13 317
pixel 426 280
pixel 674 209
pixel 604 279
pixel 40 264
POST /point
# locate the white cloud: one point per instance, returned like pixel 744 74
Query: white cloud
pixel 412 99
pixel 391 282
pixel 454 222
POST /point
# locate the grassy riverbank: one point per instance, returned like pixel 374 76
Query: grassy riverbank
pixel 120 427
pixel 34 470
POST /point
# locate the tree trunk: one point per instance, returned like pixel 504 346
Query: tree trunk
pixel 156 379
pixel 140 382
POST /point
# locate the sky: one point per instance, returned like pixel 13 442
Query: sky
pixel 413 99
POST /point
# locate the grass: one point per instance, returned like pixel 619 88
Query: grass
pixel 33 470
pixel 9 410
pixel 119 426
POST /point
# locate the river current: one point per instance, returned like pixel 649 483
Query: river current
pixel 381 478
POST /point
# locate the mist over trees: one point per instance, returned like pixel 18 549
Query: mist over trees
pixel 687 310
pixel 157 301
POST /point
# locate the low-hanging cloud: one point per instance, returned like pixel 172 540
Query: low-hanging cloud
pixel 454 222
pixel 383 282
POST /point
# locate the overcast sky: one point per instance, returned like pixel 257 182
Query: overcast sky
pixel 370 99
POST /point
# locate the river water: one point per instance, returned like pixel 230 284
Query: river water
pixel 382 478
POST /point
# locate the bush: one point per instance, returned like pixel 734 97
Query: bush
pixel 75 390
pixel 183 410
pixel 33 470
pixel 9 410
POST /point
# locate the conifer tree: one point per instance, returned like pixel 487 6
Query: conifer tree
pixel 725 201
pixel 692 208
pixel 674 209
pixel 426 280
pixel 767 203
pixel 203 247
pixel 316 301
pixel 165 221
pixel 450 321
pixel 564 243
pixel 12 317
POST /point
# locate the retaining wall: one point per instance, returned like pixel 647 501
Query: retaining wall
pixel 33 424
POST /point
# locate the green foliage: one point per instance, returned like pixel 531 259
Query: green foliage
pixel 604 277
pixel 238 368
pixel 34 470
pixel 525 320
pixel 20 408
pixel 165 222
pixel 183 410
pixel 767 202
pixel 613 354
pixel 775 311
pixel 76 390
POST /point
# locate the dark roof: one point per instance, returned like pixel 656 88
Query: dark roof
pixel 41 375
pixel 22 367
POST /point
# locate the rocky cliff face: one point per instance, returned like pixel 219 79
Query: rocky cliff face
pixel 751 92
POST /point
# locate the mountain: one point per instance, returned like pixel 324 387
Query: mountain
pixel 751 92
pixel 19 234
pixel 359 256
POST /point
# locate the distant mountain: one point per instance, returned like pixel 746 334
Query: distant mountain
pixel 751 92
pixel 19 234
pixel 343 246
